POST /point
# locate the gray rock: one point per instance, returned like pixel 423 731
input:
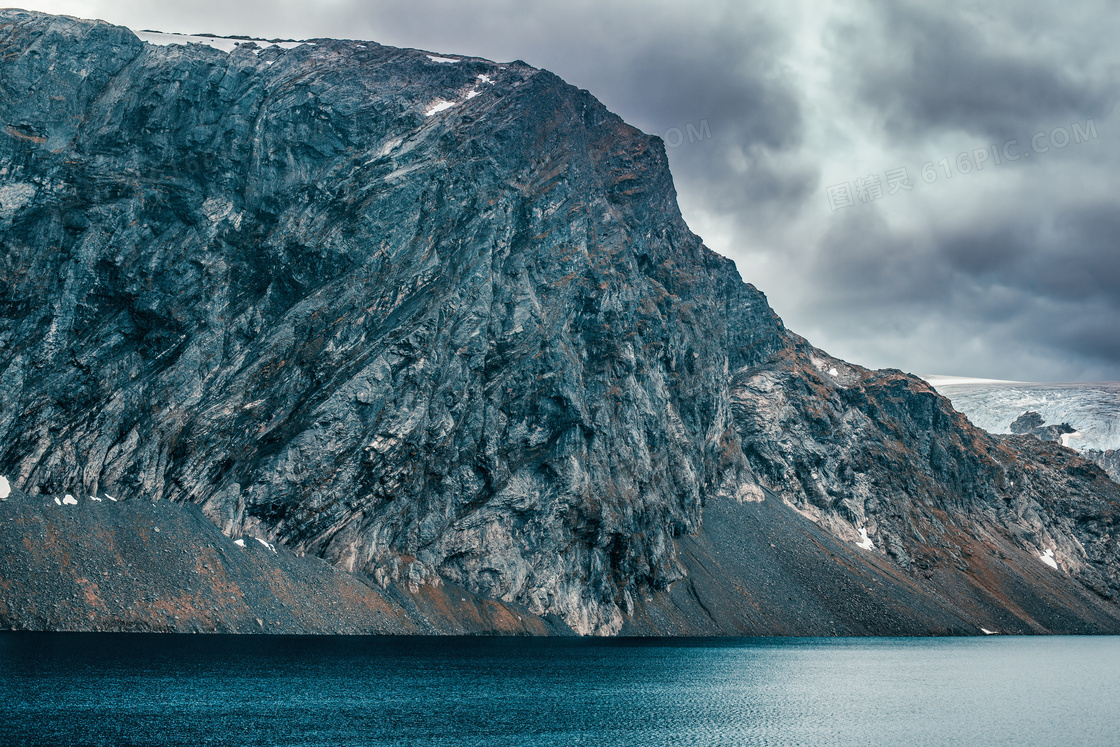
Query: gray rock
pixel 1108 460
pixel 1031 423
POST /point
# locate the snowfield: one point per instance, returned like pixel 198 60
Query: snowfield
pixel 1092 409
pixel 220 43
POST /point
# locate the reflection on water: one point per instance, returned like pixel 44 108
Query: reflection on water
pixel 197 690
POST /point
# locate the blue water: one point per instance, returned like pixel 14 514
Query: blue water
pixel 60 689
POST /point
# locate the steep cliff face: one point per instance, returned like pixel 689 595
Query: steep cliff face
pixel 439 322
pixel 882 452
pixel 478 344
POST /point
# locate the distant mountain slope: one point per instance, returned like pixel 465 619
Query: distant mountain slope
pixel 1092 410
pixel 438 321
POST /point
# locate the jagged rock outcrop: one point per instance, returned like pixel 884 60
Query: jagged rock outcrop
pixel 442 322
pixel 883 451
pixel 1031 423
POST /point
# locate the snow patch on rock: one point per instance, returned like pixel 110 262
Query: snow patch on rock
pixel 218 209
pixel 219 43
pixel 438 107
pixel 865 541
pixel 1048 558
pixel 1065 438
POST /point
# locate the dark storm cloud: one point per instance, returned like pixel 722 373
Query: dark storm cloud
pixel 727 115
pixel 1070 256
pixel 1087 337
pixel 1082 261
pixel 927 70
pixel 861 263
pixel 1041 279
pixel 985 252
pixel 1014 277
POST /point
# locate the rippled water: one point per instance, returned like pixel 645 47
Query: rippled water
pixel 197 690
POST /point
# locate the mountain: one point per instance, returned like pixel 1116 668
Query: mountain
pixel 1090 413
pixel 438 322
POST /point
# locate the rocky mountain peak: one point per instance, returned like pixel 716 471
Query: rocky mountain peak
pixel 438 320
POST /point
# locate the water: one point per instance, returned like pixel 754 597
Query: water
pixel 59 689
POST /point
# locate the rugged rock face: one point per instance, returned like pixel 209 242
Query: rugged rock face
pixel 1089 414
pixel 1031 422
pixel 441 322
pixel 881 450
pixel 1109 461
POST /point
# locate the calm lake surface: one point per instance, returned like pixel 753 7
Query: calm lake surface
pixel 60 689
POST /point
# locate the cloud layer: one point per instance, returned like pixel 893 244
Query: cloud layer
pixel 1002 257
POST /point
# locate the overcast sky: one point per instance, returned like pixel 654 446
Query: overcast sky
pixel 788 128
